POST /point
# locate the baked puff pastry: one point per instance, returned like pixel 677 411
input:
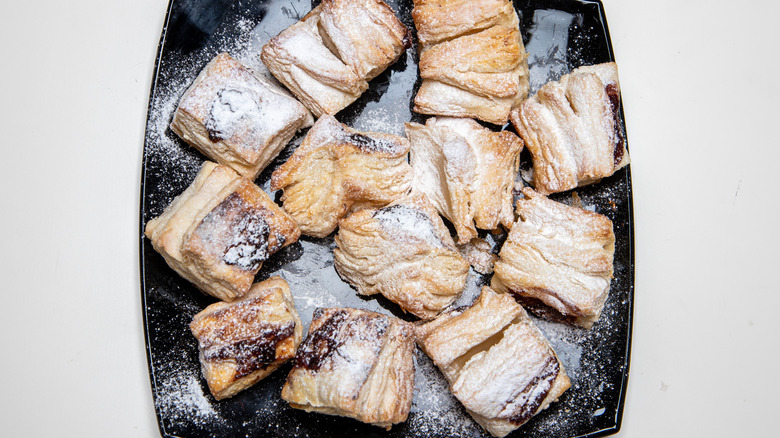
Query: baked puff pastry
pixel 237 118
pixel 497 362
pixel 473 62
pixel 467 171
pixel 364 34
pixel 327 58
pixel 557 260
pixel 220 230
pixel 573 130
pixel 354 363
pixel 336 168
pixel 244 341
pixel 404 252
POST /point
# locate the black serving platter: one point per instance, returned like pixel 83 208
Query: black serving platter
pixel 559 36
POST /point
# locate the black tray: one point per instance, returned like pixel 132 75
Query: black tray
pixel 559 36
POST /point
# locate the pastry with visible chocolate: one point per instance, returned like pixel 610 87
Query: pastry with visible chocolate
pixel 572 128
pixel 244 341
pixel 557 260
pixel 404 252
pixel 327 58
pixel 354 363
pixel 337 168
pixel 237 118
pixel 472 59
pixel 220 230
pixel 497 362
pixel 467 171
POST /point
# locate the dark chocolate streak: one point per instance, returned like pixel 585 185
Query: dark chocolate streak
pixel 322 343
pixel 248 246
pixel 369 144
pixel 253 353
pixel 339 328
pixel 542 310
pixel 546 377
pixel 614 100
pixel 214 126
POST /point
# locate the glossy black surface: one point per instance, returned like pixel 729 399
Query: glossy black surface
pixel 559 36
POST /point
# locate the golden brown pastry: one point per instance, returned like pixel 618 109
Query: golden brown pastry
pixel 364 34
pixel 299 59
pixel 572 128
pixel 336 168
pixel 443 20
pixel 498 364
pixel 467 171
pixel 237 118
pixel 244 341
pixel 557 260
pixel 404 252
pixel 218 233
pixel 354 363
pixel 472 61
pixel 327 58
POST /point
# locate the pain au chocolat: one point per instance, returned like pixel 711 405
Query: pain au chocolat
pixel 572 128
pixel 472 59
pixel 337 168
pixel 244 341
pixel 328 57
pixel 354 363
pixel 220 230
pixel 404 252
pixel 557 260
pixel 467 171
pixel 497 362
pixel 237 118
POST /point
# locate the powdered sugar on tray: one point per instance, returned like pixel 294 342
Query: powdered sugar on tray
pixel 180 396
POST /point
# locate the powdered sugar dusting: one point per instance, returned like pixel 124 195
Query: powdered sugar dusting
pixel 405 222
pixel 180 396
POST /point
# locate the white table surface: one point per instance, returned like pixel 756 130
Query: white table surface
pixel 700 94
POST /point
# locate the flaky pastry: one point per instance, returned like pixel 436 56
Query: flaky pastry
pixel 557 260
pixel 237 118
pixel 242 342
pixel 404 252
pixel 497 362
pixel 467 171
pixel 220 230
pixel 354 363
pixel 336 168
pixel 572 128
pixel 472 59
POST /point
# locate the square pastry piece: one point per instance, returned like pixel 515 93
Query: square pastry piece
pixel 336 168
pixel 354 363
pixel 572 128
pixel 497 362
pixel 404 252
pixel 218 233
pixel 467 171
pixel 328 57
pixel 237 118
pixel 472 59
pixel 557 260
pixel 244 341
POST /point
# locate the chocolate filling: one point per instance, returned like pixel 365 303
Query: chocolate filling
pixel 323 342
pixel 614 100
pixel 369 144
pixel 250 354
pixel 534 397
pixel 542 310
